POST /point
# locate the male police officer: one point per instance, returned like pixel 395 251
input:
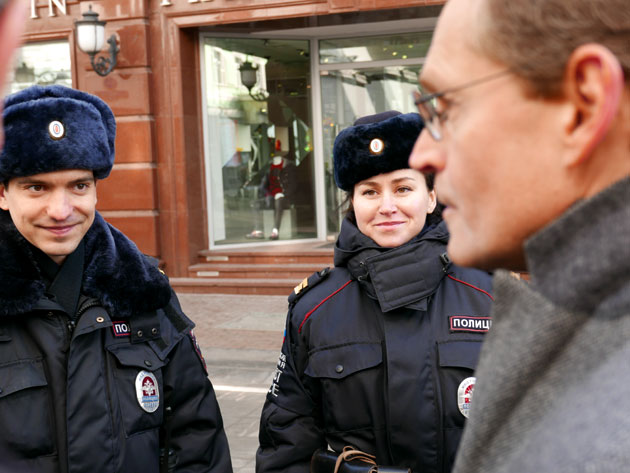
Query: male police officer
pixel 99 370
pixel 527 124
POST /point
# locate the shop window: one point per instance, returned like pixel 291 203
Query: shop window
pixel 44 63
pixel 359 77
pixel 258 140
pixel 404 47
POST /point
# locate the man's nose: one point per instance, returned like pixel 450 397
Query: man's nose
pixel 426 155
pixel 59 206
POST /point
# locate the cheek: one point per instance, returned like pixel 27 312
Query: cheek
pixel 87 205
pixel 363 212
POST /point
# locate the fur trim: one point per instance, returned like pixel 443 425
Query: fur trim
pixel 374 145
pixel 87 132
pixel 116 273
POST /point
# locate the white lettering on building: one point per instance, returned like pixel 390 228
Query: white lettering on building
pixel 59 4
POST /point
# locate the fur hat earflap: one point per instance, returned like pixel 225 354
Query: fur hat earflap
pixel 54 128
pixel 375 144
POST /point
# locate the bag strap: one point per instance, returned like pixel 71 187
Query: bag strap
pixel 350 453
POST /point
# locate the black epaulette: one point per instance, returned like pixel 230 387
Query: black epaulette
pixel 307 284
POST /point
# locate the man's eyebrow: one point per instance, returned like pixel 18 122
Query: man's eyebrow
pixel 86 178
pixel 28 180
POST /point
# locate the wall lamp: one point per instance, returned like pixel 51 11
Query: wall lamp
pixel 249 79
pixel 90 37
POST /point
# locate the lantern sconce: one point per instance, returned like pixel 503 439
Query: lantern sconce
pixel 249 78
pixel 90 34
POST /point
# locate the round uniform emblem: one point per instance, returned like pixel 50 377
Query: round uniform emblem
pixel 56 130
pixel 376 146
pixel 147 391
pixel 465 394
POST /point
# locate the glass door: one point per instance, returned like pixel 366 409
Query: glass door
pixel 258 139
pixel 358 77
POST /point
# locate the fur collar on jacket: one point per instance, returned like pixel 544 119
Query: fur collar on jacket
pixel 116 273
pixel 404 276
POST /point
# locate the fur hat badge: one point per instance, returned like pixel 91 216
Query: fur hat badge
pixel 55 128
pixel 375 144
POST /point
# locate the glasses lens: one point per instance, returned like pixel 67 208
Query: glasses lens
pixel 429 114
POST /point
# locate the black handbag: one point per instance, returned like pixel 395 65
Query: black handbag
pixel 349 461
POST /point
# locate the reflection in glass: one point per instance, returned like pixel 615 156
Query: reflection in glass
pixel 348 94
pixel 259 162
pixel 43 63
pixel 374 48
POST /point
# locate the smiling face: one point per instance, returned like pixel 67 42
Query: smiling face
pixel 53 211
pixel 392 208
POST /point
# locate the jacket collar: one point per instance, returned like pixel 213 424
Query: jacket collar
pixel 404 276
pixel 580 261
pixel 116 273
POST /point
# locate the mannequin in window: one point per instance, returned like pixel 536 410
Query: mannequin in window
pixel 277 186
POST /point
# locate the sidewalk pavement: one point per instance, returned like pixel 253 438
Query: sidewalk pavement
pixel 240 337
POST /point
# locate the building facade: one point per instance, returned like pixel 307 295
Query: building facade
pixel 212 96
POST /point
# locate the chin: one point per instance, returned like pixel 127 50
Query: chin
pixel 485 259
pixel 391 242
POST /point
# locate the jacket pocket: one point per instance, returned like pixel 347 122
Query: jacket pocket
pixel 457 360
pixel 25 409
pixel 138 378
pixel 456 363
pixel 349 379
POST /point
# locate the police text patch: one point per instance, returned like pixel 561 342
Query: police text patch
pixel 468 323
pixel 121 329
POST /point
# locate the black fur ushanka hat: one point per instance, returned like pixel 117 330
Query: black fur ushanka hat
pixel 54 128
pixel 375 144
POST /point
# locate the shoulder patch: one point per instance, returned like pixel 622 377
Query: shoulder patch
pixel 308 284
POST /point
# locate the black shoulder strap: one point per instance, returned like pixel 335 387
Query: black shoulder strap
pixel 307 284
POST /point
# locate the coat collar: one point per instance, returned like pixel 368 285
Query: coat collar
pixel 404 276
pixel 116 273
pixel 580 261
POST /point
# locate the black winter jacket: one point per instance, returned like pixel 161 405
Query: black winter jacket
pixel 91 396
pixel 375 353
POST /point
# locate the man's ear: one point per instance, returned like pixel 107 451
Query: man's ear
pixel 593 85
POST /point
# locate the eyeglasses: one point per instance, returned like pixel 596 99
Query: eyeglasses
pixel 434 120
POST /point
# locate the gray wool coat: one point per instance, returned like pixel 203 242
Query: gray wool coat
pixel 553 380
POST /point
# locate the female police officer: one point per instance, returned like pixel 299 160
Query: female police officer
pixel 379 351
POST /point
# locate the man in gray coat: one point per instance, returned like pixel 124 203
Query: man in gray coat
pixel 527 112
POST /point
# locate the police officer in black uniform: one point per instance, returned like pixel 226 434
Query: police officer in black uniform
pixel 379 352
pixel 99 368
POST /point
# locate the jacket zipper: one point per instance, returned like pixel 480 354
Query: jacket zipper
pixel 71 323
